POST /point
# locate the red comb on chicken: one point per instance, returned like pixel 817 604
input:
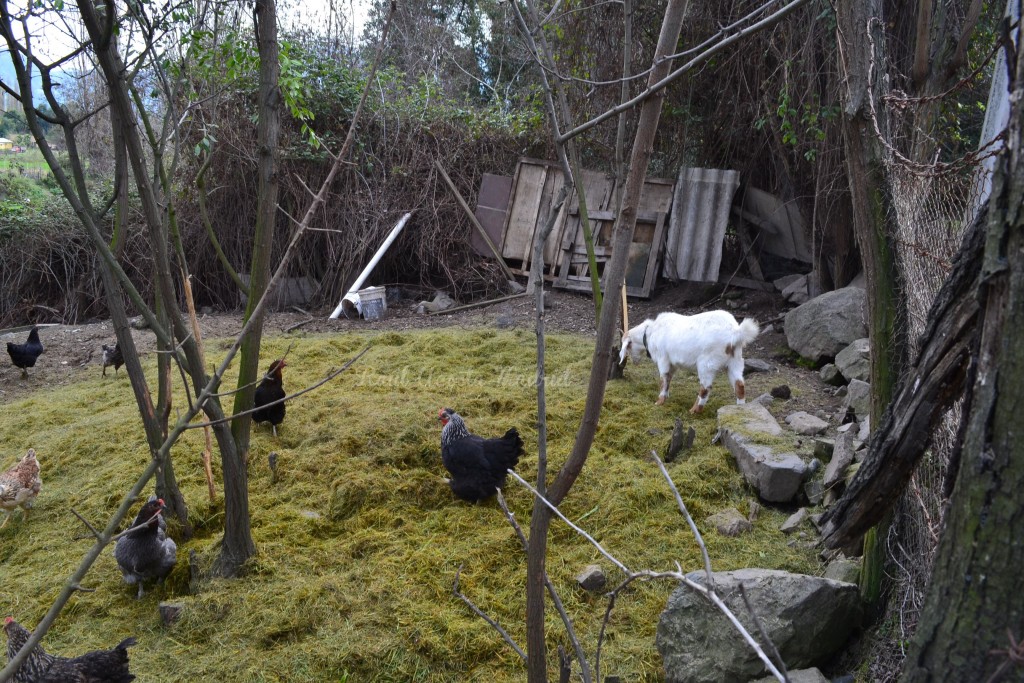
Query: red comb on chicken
pixel 478 466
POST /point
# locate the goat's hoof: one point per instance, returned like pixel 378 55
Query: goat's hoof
pixel 660 401
pixel 696 410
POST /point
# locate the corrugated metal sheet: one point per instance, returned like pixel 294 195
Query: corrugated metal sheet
pixel 700 214
pixel 787 238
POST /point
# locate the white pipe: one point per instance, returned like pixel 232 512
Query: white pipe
pixel 369 266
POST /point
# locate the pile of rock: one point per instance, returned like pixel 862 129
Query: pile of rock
pixel 805 464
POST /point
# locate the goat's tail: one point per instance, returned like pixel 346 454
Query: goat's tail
pixel 747 331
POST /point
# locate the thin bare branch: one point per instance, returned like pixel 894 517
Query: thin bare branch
pixel 687 517
pixel 480 613
pixel 289 397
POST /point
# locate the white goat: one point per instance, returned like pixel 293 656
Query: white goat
pixel 706 341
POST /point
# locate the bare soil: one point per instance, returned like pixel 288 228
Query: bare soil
pixel 72 351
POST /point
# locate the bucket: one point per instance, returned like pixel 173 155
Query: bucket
pixel 373 302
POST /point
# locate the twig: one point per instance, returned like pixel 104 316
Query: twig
pixel 478 304
pixel 581 532
pixel 764 634
pixel 298 325
pixel 495 625
pixel 689 519
pixel 86 523
pixel 570 631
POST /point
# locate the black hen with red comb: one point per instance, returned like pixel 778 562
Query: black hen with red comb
pixel 145 553
pixel 269 390
pixel 478 466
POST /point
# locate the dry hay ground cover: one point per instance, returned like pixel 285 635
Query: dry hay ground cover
pixel 359 539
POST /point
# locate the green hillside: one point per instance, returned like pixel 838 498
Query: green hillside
pixel 359 539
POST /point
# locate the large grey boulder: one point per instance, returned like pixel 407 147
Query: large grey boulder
pixel 827 324
pixel 808 618
pixel 747 430
pixel 855 360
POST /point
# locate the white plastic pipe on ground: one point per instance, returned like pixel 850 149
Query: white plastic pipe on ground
pixel 351 295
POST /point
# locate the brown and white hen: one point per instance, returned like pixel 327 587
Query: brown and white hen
pixel 19 486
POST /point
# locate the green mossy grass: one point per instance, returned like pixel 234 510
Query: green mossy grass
pixel 359 539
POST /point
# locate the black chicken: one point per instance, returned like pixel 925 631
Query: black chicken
pixel 112 356
pixel 24 355
pixel 98 666
pixel 146 552
pixel 478 466
pixel 269 390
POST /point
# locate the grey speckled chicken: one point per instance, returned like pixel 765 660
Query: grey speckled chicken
pixel 478 466
pixel 19 486
pixel 146 553
pixel 98 666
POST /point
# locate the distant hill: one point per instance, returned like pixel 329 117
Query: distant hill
pixel 8 76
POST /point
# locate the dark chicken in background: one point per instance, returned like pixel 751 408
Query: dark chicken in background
pixel 269 390
pixel 24 355
pixel 98 666
pixel 146 553
pixel 478 466
pixel 112 356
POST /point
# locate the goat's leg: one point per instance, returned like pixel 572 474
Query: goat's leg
pixel 702 398
pixel 666 379
pixel 736 377
pixel 706 372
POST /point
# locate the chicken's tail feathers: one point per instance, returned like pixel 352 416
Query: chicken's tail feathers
pixel 515 450
pixel 512 435
pixel 127 643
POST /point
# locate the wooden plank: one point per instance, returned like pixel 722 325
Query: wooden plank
pixel 641 217
pixel 747 283
pixel 473 220
pixel 748 251
pixel 652 263
pixel 526 200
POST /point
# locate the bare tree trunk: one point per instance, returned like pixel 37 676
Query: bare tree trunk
pixel 974 614
pixel 870 221
pixel 615 270
pixel 267 132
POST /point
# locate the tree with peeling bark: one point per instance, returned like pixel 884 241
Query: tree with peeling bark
pixel 973 617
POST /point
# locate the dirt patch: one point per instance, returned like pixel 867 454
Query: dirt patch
pixel 72 351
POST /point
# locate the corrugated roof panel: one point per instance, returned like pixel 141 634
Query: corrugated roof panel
pixel 700 214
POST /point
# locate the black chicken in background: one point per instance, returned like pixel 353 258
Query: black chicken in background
pixel 112 356
pixel 478 466
pixel 24 355
pixel 269 390
pixel 98 666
